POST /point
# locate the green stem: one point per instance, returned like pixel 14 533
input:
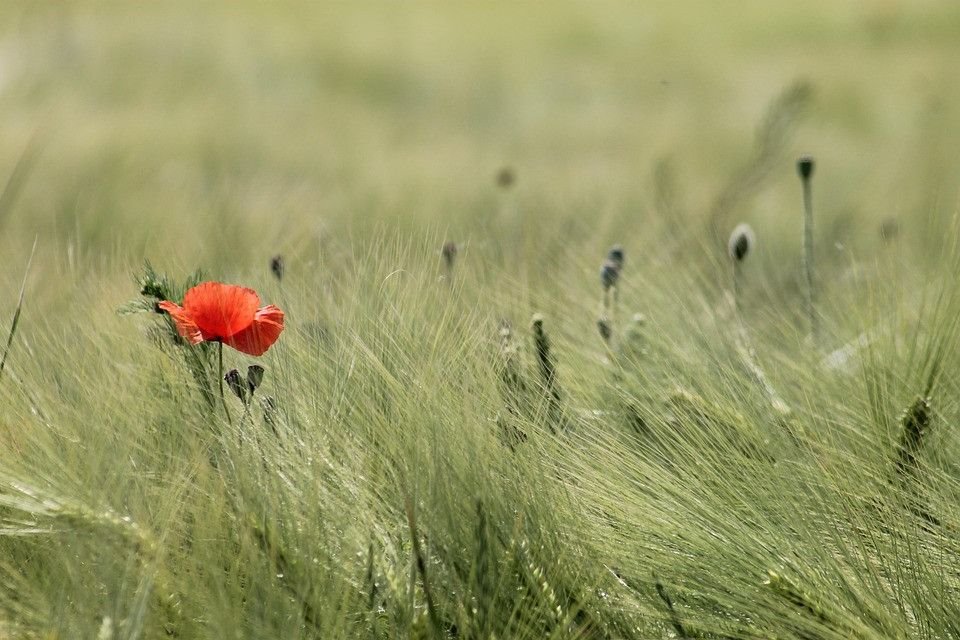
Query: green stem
pixel 808 258
pixel 737 292
pixel 223 398
pixel 246 413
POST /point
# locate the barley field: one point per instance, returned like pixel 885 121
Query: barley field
pixel 595 320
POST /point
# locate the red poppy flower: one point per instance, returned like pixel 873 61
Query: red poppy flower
pixel 226 313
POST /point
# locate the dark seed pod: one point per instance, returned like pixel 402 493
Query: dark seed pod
pixel 741 242
pixel 235 382
pixel 805 166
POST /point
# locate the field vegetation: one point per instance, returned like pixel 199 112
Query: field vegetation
pixel 603 320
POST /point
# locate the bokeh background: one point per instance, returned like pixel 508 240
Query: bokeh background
pixel 218 133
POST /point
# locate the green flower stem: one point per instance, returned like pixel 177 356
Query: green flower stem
pixel 808 258
pixel 223 398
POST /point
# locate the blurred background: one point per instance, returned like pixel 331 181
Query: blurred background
pixel 216 134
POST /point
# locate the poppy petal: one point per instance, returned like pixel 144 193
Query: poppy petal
pixel 263 332
pixel 186 327
pixel 221 310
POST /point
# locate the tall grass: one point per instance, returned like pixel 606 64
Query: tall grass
pixel 421 459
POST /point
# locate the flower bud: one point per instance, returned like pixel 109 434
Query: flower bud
pixel 276 265
pixel 254 377
pixel 615 255
pixel 805 166
pixel 235 382
pixel 449 253
pixel 741 241
pixel 609 274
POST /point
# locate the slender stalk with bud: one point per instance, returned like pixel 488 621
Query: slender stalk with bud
pixel 805 166
pixel 741 242
pixel 449 254
pixel 610 279
pixel 738 247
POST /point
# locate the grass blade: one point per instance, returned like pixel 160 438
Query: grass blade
pixel 16 313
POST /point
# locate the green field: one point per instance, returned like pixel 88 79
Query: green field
pixel 448 448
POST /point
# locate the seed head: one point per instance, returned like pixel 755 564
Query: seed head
pixel 276 265
pixel 254 377
pixel 269 406
pixel 505 329
pixel 915 423
pixel 615 255
pixel 805 166
pixel 609 274
pixel 741 241
pixel 235 382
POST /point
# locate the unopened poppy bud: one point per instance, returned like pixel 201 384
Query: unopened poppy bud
pixel 741 241
pixel 506 177
pixel 254 377
pixel 609 274
pixel 235 382
pixel 449 253
pixel 615 255
pixel 603 326
pixel 805 167
pixel 276 266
